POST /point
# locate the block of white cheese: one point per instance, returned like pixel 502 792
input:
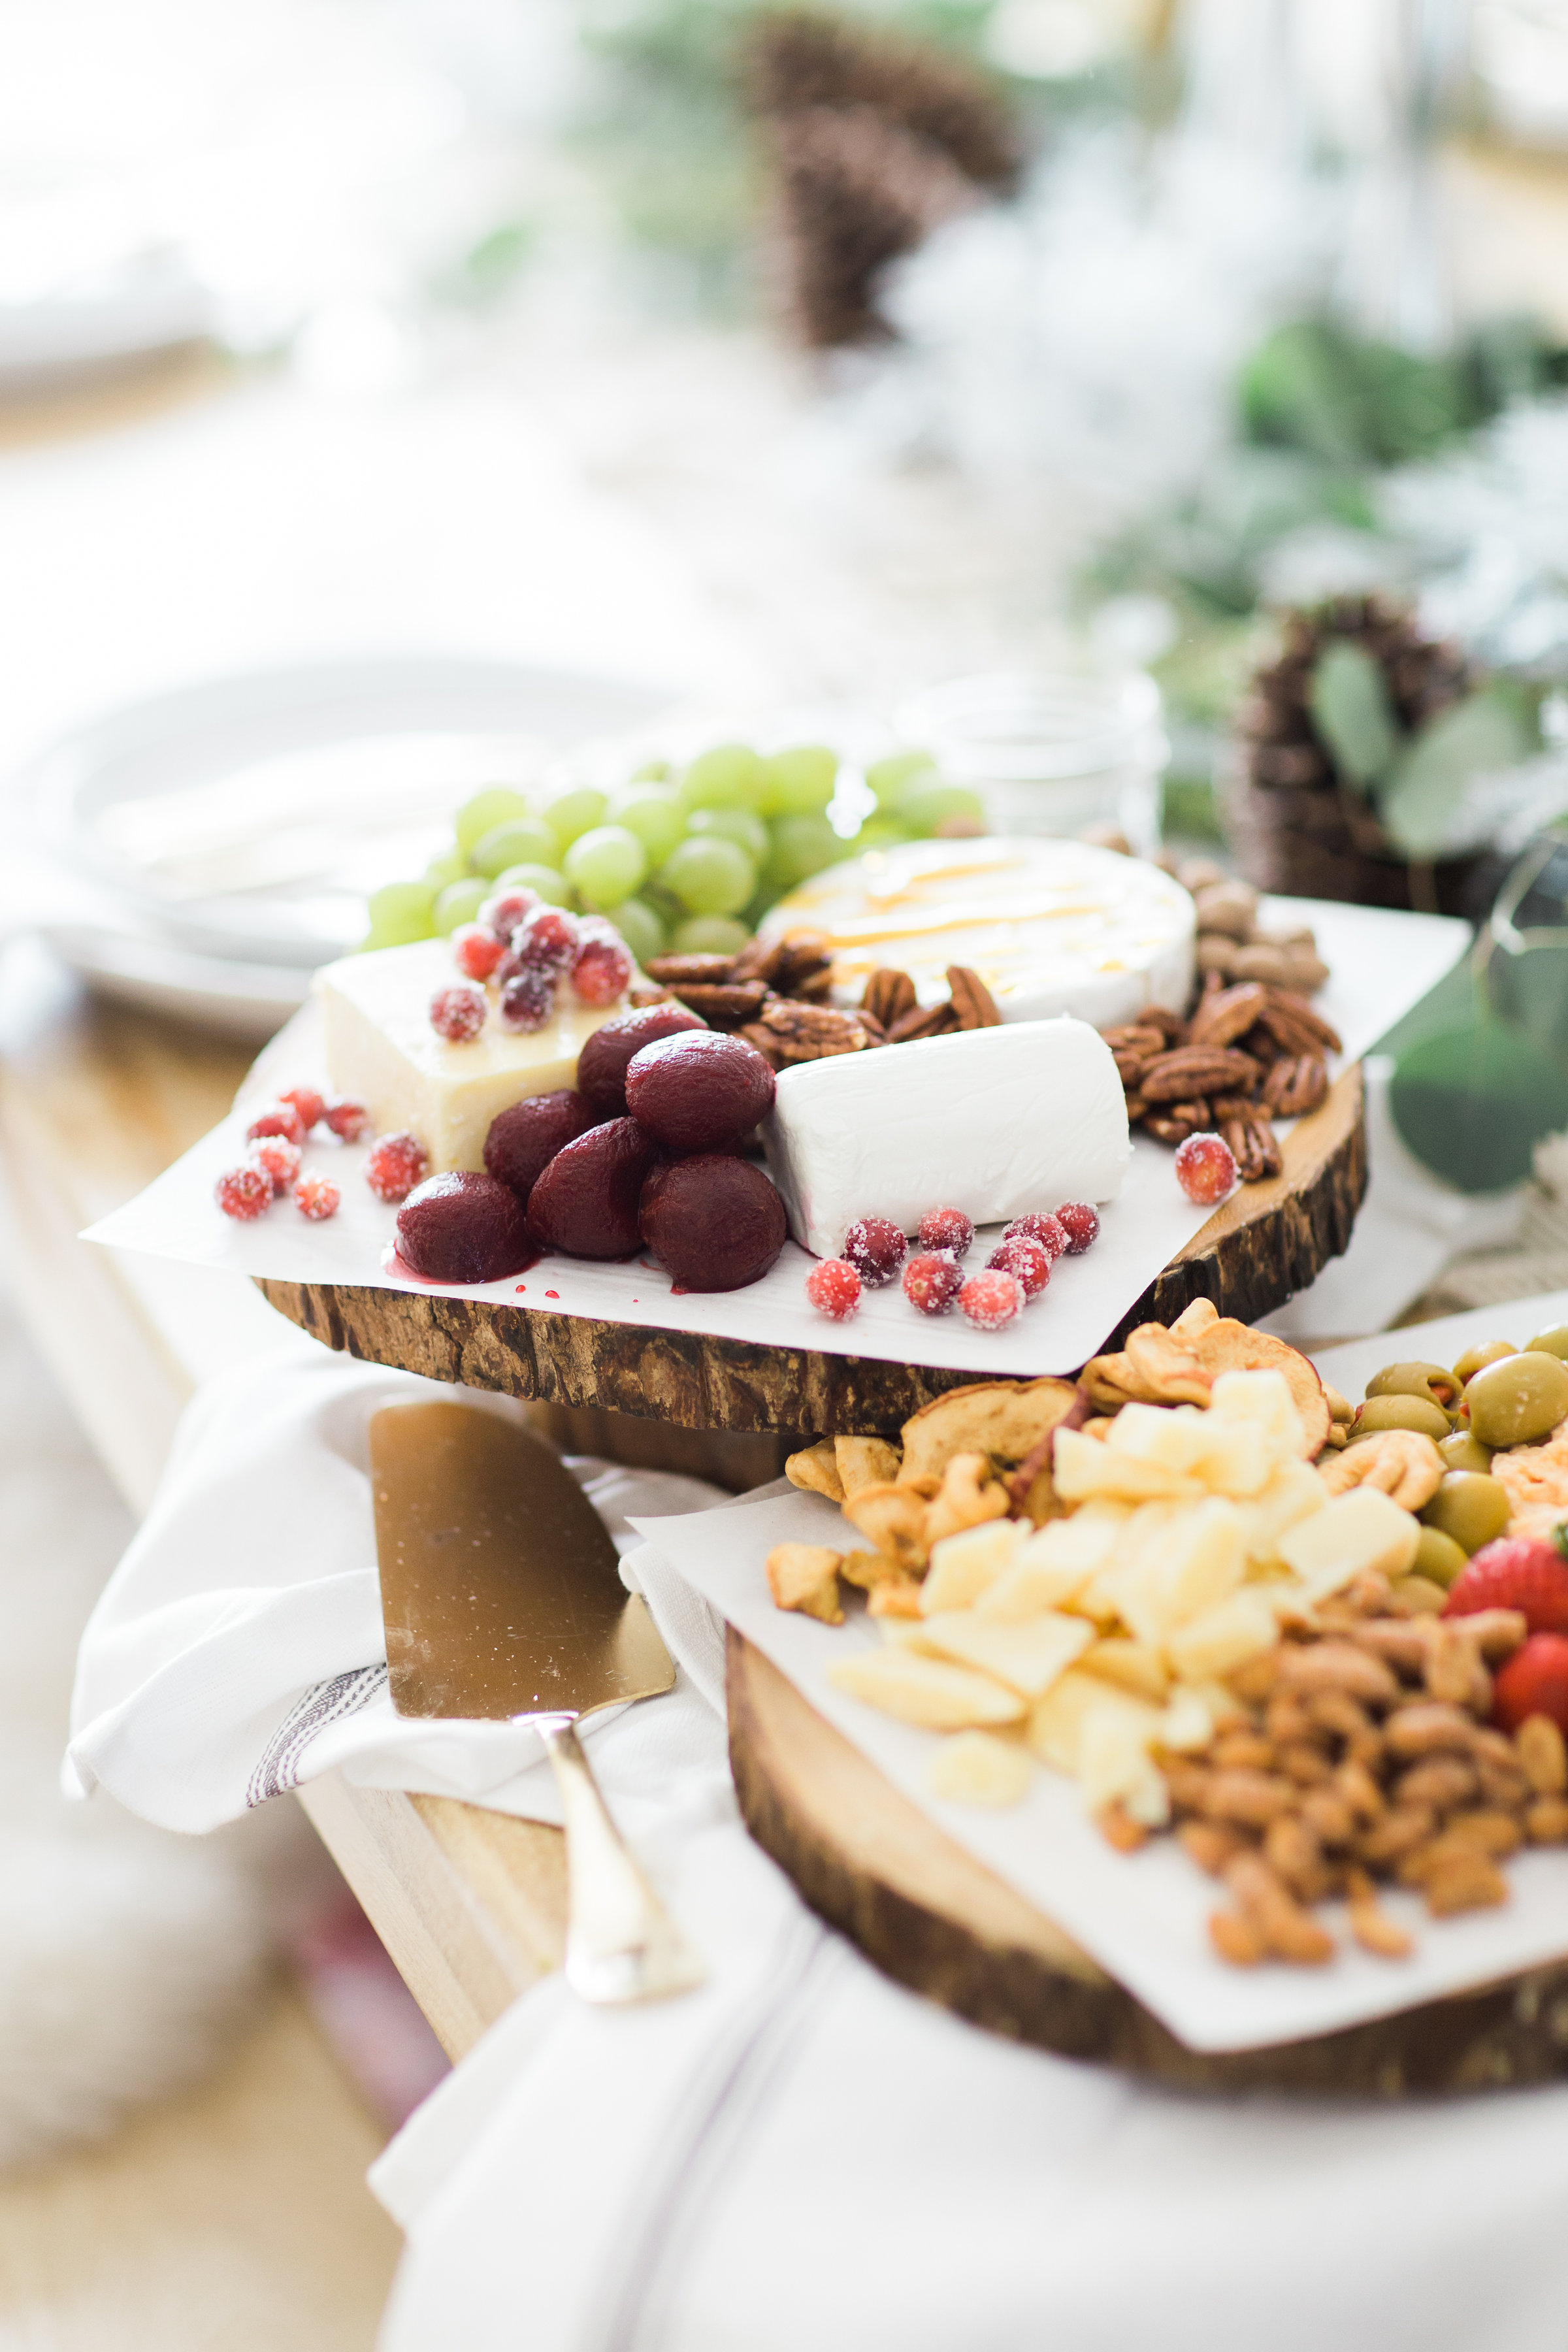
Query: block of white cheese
pixel 1049 925
pixel 382 1051
pixel 997 1122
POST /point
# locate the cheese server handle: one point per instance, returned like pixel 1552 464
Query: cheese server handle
pixel 621 1943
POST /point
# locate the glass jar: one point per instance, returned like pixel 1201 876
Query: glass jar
pixel 1051 752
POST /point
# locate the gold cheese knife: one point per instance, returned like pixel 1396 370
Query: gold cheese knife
pixel 502 1599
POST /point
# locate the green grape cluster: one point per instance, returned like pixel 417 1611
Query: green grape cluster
pixel 685 858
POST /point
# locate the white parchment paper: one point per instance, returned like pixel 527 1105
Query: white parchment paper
pixel 1144 1917
pixel 1381 963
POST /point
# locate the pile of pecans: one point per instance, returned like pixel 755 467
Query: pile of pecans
pixel 1249 1054
pixel 774 994
pixel 1361 1753
pixel 1231 940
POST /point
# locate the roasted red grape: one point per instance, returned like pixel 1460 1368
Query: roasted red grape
pixel 601 1064
pixel 700 1093
pixel 714 1222
pixel 463 1227
pixel 524 1140
pixel 587 1201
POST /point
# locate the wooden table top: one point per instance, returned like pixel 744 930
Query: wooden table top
pixel 95 1100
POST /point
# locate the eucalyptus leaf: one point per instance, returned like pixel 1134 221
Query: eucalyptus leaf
pixel 1422 794
pixel 1472 1102
pixel 1352 711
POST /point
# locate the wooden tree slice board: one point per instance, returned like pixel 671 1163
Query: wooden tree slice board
pixel 934 1918
pixel 1263 1245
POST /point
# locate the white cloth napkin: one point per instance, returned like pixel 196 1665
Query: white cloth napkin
pixel 800 2153
pixel 237 1650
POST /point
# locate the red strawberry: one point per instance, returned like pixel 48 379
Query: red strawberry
pixel 1534 1682
pixel 1514 1572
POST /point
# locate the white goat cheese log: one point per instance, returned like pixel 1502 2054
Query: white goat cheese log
pixel 995 1122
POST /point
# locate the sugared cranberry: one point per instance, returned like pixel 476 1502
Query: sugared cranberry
pixel 523 1139
pixel 932 1281
pixel 946 1229
pixel 1022 1256
pixel 833 1287
pixel 547 939
pixel 527 1001
pixel 316 1197
pixel 601 1064
pixel 279 1119
pixel 306 1102
pixel 587 1201
pixel 349 1121
pixel 279 1158
pixel 714 1222
pixel 464 1227
pixel 1041 1226
pixel 876 1249
pixel 1205 1169
pixel 1081 1223
pixel 602 970
pixel 476 951
pixel 992 1299
pixel 502 913
pixel 458 1013
pixel 244 1193
pixel 699 1092
pixel 394 1165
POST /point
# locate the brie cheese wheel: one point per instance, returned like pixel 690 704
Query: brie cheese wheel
pixel 995 1122
pixel 1049 925
pixel 382 1051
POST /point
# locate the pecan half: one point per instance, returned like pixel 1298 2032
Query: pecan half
pixel 724 1006
pixel 1254 1147
pixel 760 960
pixel 1174 1122
pixel 810 1032
pixel 805 953
pixel 677 970
pixel 814 986
pixel 1226 1014
pixel 1189 1071
pixel 928 1021
pixel 637 997
pixel 766 1043
pixel 889 996
pixel 1292 1020
pixel 1295 1084
pixel 972 1000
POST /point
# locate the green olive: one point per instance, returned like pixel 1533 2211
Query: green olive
pixel 1518 1400
pixel 1438 1556
pixel 1551 1343
pixel 1476 1360
pixel 1379 1412
pixel 1464 1451
pixel 1470 1508
pixel 1429 1381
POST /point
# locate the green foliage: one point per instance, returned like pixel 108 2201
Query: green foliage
pixel 1352 711
pixel 1472 1102
pixel 1423 791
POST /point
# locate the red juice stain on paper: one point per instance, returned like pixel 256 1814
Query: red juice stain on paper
pixel 398 1267
pixel 552 1294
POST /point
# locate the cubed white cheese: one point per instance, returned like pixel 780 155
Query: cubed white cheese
pixel 382 1051
pixel 992 1121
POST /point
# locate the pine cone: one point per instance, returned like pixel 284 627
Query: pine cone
pixel 875 139
pixel 1296 827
